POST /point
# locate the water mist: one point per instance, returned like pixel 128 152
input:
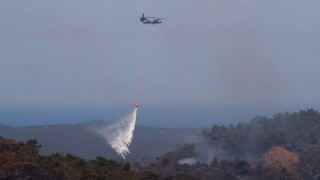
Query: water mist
pixel 119 134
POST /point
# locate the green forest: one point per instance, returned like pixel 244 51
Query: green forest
pixel 20 160
pixel 284 146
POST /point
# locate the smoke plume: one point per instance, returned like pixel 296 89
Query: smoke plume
pixel 189 161
pixel 119 134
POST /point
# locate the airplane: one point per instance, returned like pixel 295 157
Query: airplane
pixel 150 20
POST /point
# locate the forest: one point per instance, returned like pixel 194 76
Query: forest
pixel 284 146
pixel 290 141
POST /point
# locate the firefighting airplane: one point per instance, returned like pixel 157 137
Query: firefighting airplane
pixel 151 20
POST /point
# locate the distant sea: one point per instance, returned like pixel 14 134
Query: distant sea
pixel 155 116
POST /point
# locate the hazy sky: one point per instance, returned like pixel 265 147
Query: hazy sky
pixel 207 52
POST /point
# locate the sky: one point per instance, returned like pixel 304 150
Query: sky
pixel 207 53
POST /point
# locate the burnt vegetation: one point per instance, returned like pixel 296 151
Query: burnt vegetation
pixel 285 146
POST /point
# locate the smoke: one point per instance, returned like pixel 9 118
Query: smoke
pixel 204 152
pixel 189 161
pixel 119 134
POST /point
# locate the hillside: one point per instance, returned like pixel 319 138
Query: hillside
pixel 286 140
pixel 284 146
pixel 78 139
pixel 21 160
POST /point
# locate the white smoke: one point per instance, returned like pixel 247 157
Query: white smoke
pixel 189 161
pixel 119 134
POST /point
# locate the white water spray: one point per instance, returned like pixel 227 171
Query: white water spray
pixel 119 134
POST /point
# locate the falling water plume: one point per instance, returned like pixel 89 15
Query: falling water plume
pixel 119 134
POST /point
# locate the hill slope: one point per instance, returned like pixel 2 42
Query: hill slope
pixel 287 140
pixel 78 139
